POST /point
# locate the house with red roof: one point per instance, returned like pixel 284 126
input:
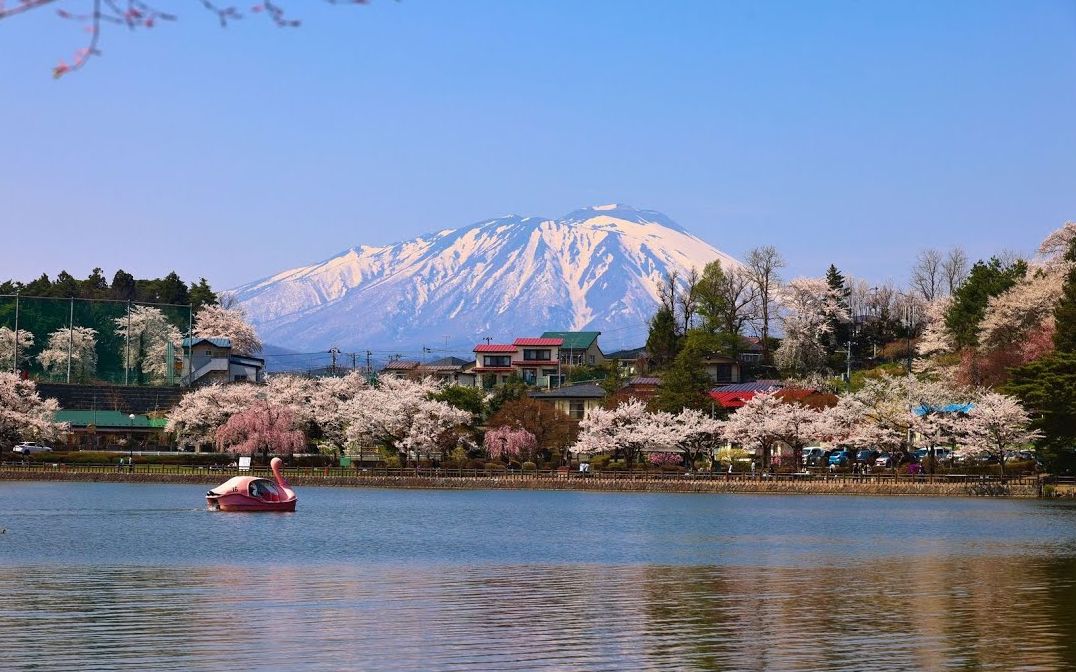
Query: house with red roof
pixel 535 360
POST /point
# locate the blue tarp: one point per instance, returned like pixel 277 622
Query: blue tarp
pixel 923 409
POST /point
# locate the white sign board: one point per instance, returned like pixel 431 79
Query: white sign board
pixel 244 463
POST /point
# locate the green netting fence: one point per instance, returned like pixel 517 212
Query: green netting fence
pixel 131 343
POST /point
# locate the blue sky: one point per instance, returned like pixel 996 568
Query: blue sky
pixel 847 132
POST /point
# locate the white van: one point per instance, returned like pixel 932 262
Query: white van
pixel 29 447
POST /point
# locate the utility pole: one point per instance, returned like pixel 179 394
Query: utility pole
pixel 70 338
pixel 848 366
pixel 334 351
pixel 127 348
pixel 910 312
pixel 15 360
pixel 354 360
pixel 487 339
pixel 369 367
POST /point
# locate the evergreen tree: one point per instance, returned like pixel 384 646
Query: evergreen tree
pixel 66 286
pixel 840 330
pixel 1047 387
pixel 40 287
pixel 710 297
pixel 663 343
pixel 685 384
pixel 202 295
pixel 986 280
pixel 123 286
pixel 95 285
pixel 171 289
pixel 1065 311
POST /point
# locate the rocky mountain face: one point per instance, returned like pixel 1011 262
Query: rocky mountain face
pixel 593 269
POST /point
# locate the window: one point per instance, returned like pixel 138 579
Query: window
pixel 497 360
pixel 530 376
pixel 724 373
pixel 593 359
pixel 576 409
pixel 537 355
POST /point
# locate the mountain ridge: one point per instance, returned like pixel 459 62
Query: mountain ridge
pixel 595 268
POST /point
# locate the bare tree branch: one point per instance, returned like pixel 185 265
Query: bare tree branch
pixel 134 14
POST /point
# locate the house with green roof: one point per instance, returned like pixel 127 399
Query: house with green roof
pixel 211 360
pixel 578 347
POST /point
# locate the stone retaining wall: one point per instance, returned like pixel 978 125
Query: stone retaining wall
pixel 518 482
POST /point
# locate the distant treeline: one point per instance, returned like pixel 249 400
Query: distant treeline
pixel 124 287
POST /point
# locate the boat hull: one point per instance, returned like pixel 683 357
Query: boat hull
pixel 236 502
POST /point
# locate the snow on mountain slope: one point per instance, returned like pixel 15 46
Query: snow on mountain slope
pixel 594 269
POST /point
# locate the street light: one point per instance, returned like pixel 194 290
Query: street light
pixel 130 445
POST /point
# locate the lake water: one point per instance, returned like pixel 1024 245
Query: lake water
pixel 142 577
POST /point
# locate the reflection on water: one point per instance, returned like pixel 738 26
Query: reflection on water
pixel 1003 603
pixel 986 614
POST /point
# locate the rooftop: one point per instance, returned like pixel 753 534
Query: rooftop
pixel 584 391
pixel 494 347
pixel 400 365
pixel 218 342
pixel 545 342
pixel 574 340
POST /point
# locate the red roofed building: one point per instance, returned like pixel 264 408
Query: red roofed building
pixel 735 396
pixel 535 360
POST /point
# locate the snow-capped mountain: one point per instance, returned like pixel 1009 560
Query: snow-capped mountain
pixel 593 269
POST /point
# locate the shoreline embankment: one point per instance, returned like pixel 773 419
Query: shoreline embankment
pixel 901 486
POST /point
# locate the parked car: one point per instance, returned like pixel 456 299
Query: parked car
pixel 840 458
pixel 818 457
pixel 940 454
pixel 890 460
pixel 29 447
pixel 867 456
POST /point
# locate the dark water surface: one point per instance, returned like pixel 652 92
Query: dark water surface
pixel 142 577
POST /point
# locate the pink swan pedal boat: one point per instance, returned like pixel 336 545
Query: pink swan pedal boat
pixel 251 493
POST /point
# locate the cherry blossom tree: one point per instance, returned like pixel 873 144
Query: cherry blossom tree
pixel 506 442
pixel 662 459
pixel 73 350
pixel 751 428
pixel 401 412
pixel 24 415
pixel 296 393
pixel 149 333
pixel 1053 248
pixel 201 412
pixel 883 412
pixel 812 308
pixel 327 405
pixel 797 425
pixel 263 428
pixel 230 323
pixel 96 15
pixel 997 423
pixel 1023 308
pixel 8 348
pixel 936 339
pixel 697 434
pixel 623 430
